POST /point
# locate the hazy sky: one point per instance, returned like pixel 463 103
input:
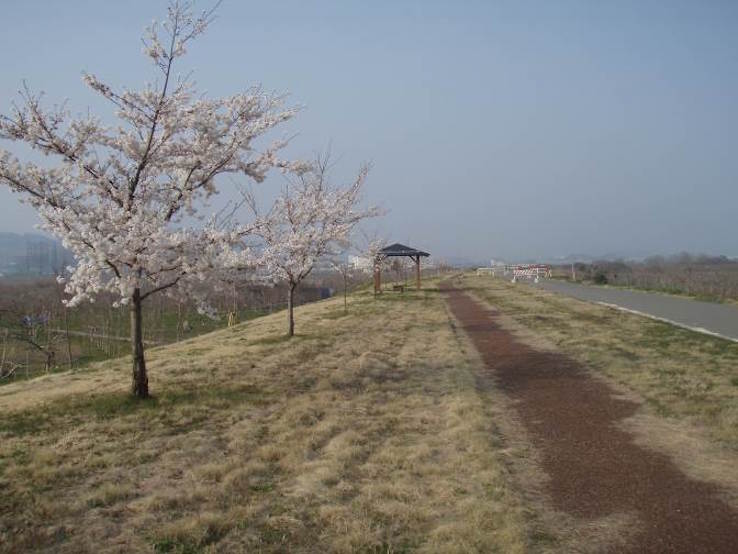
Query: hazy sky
pixel 509 129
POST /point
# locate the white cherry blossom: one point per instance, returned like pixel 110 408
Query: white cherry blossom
pixel 118 195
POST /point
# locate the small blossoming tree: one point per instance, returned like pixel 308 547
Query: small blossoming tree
pixel 310 219
pixel 345 269
pixel 120 196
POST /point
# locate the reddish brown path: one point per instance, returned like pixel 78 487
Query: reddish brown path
pixel 595 468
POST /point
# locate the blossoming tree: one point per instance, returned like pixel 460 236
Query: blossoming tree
pixel 309 220
pixel 122 197
pixel 345 269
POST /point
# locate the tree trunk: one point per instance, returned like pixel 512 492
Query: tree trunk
pixel 67 338
pixel 179 318
pixel 290 310
pixel 140 385
pixel 345 294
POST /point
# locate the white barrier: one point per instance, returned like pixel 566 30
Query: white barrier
pixel 533 272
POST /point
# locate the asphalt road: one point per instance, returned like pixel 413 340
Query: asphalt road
pixel 719 319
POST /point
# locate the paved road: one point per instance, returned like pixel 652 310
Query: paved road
pixel 720 319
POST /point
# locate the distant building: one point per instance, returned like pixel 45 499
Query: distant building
pixel 361 263
pixel 32 255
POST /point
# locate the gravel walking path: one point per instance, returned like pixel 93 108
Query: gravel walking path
pixel 594 466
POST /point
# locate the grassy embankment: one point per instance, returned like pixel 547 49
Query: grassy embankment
pixel 687 381
pixel 365 433
pixel 666 291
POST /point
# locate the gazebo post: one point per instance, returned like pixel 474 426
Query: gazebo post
pixel 417 270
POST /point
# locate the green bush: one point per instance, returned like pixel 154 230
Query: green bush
pixel 600 278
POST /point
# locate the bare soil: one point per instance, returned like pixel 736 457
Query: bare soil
pixel 595 469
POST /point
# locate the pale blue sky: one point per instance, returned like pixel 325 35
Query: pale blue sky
pixel 510 129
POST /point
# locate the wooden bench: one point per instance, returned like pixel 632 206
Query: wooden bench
pixel 401 288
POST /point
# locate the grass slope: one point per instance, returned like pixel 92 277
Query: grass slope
pixel 365 433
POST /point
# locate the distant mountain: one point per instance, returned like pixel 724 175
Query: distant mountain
pixel 615 256
pixel 460 261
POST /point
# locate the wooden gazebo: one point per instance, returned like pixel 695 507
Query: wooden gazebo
pixel 397 250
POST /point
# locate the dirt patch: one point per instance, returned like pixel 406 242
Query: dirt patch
pixel 595 467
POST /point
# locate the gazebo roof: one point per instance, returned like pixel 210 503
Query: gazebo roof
pixel 398 249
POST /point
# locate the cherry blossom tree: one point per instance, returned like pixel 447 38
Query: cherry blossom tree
pixel 372 251
pixel 123 197
pixel 346 270
pixel 309 220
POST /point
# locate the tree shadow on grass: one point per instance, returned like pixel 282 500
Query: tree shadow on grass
pixel 113 405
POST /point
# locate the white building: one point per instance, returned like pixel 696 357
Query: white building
pixel 360 262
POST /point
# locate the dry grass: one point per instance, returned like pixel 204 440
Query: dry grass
pixel 686 381
pixel 365 433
